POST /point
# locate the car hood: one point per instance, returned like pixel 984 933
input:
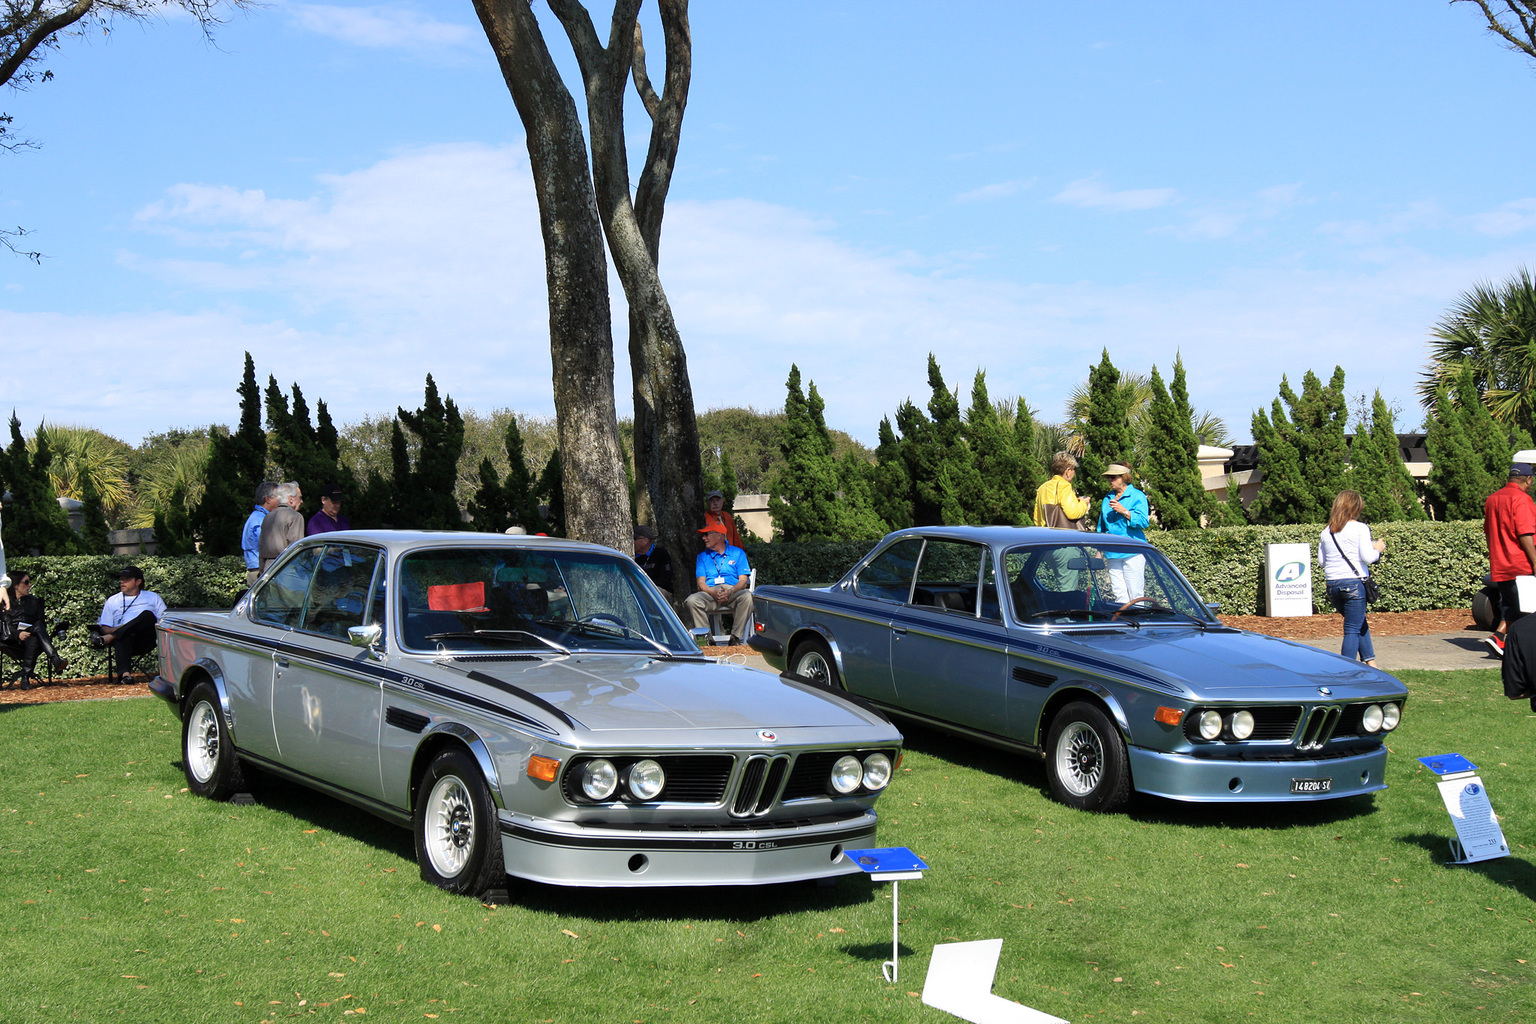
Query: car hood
pixel 1226 663
pixel 607 693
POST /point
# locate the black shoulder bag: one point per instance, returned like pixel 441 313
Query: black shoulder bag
pixel 1372 591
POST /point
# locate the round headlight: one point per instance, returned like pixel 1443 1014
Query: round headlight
pixel 1210 725
pixel 1371 720
pixel 645 779
pixel 847 773
pixel 877 771
pixel 1391 714
pixel 599 778
pixel 1242 725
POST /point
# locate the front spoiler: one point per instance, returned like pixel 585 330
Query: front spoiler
pixel 565 854
pixel 1200 780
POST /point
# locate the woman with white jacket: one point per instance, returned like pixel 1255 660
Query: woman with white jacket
pixel 1346 550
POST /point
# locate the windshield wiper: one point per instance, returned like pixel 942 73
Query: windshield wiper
pixel 1183 616
pixel 499 634
pixel 606 629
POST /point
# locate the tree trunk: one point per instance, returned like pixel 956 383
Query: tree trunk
pixel 576 274
pixel 666 431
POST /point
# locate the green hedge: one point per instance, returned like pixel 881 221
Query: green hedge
pixel 74 587
pixel 1428 565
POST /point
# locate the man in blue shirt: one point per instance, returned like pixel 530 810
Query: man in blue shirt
pixel 1124 513
pixel 250 533
pixel 724 580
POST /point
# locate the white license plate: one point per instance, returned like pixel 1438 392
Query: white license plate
pixel 1311 785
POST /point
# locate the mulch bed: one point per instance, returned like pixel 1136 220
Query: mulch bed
pixel 88 688
pixel 1315 627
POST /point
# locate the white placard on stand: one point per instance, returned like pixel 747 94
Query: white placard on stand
pixel 1478 834
pixel 1288 579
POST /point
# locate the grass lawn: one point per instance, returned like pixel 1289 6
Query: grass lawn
pixel 122 897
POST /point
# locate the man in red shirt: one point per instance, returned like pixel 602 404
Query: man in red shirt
pixel 1509 521
pixel 716 515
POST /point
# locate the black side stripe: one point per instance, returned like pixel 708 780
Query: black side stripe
pixel 522 694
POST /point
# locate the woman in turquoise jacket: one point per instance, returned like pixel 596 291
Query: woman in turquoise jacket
pixel 1125 513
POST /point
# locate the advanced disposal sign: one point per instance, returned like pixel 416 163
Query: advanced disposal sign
pixel 1288 579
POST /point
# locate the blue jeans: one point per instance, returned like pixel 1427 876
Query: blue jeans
pixel 1348 596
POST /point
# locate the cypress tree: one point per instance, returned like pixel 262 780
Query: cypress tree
pixel 1378 472
pixel 891 489
pixel 36 524
pixel 1106 432
pixel 802 493
pixel 439 430
pixel 1032 473
pixel 1487 438
pixel 522 502
pixel 920 458
pixel 236 464
pixel 488 508
pixel 1172 472
pixel 1284 495
pixel 854 515
pixel 959 486
pixel 998 465
pixel 407 508
pixel 1458 480
pixel 552 490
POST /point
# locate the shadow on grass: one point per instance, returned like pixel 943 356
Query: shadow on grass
pixel 1515 873
pixel 736 903
pixel 1029 770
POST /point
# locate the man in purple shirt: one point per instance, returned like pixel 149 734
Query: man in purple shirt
pixel 329 517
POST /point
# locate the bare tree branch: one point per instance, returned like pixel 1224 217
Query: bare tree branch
pixel 642 81
pixel 41 32
pixel 1521 38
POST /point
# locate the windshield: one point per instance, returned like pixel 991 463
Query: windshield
pixel 494 599
pixel 1062 583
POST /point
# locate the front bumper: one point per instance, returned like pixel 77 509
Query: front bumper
pixel 562 853
pixel 1199 780
pixel 166 690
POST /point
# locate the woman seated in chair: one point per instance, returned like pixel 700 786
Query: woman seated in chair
pixel 30 637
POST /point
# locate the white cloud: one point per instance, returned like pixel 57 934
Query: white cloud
pixel 1225 220
pixel 999 190
pixel 1423 215
pixel 1091 193
pixel 383 26
pixel 1508 219
pixel 431 261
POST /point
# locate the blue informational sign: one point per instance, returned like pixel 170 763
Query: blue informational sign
pixel 1447 764
pixel 885 859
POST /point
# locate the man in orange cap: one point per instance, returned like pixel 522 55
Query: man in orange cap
pixel 723 579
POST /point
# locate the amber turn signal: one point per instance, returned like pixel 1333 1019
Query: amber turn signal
pixel 543 768
pixel 1168 716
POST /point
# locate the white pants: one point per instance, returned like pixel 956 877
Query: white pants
pixel 1127 577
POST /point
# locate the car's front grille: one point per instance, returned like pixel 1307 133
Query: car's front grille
pixel 691 778
pixel 1319 727
pixel 809 778
pixel 1275 723
pixel 762 777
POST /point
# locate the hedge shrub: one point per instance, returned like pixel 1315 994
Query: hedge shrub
pixel 1428 566
pixel 74 587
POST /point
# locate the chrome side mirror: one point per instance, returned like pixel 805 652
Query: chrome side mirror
pixel 367 636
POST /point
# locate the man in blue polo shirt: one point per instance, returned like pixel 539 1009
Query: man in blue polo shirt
pixel 723 578
pixel 250 533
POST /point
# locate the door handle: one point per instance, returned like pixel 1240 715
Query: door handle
pixel 280 662
pixel 898 632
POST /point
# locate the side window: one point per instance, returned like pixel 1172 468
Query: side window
pixel 889 575
pixel 989 606
pixel 948 576
pixel 280 601
pixel 339 594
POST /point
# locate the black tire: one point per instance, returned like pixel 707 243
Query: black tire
pixel 1085 759
pixel 207 753
pixel 1486 609
pixel 812 661
pixel 458 837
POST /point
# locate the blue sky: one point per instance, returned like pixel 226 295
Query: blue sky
pixel 342 189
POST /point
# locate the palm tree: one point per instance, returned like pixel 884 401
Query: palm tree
pixel 179 470
pixel 1492 329
pixel 81 452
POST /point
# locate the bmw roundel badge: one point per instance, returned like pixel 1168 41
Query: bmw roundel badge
pixel 767 735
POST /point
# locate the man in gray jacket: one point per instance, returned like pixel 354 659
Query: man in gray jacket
pixel 283 524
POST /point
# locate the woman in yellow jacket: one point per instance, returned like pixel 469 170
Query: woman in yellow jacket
pixel 1055 502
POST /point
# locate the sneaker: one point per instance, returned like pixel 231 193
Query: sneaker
pixel 1495 643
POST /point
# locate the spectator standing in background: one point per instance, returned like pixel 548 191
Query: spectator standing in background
pixel 283 524
pixel 716 515
pixel 1509 520
pixel 250 533
pixel 329 518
